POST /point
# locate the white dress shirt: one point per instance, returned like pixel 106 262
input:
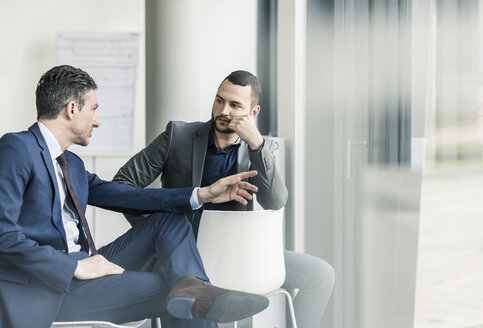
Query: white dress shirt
pixel 69 214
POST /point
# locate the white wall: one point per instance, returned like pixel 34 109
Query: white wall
pixel 28 30
pixel 229 40
pixel 192 46
pixel 196 44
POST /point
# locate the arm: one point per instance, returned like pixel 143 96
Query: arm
pixel 50 266
pixel 272 192
pixel 132 200
pixel 145 166
pixel 148 164
pixel 124 198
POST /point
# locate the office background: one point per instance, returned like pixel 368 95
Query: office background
pixel 379 103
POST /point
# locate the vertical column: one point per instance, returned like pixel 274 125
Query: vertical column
pixel 291 112
pixel 172 63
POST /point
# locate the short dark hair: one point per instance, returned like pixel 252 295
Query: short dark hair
pixel 60 85
pixel 245 78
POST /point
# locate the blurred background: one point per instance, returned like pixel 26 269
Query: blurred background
pixel 380 105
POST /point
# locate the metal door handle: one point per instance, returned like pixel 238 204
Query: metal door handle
pixel 350 144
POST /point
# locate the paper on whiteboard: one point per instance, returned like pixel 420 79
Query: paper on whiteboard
pixel 112 63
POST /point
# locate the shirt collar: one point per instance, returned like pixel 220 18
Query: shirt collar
pixel 212 143
pixel 52 143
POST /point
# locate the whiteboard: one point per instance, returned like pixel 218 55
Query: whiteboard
pixel 112 61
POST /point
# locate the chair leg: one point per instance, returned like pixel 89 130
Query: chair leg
pixel 156 323
pixel 290 304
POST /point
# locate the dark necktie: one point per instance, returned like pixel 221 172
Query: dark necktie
pixel 63 165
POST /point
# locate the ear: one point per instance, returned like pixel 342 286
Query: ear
pixel 255 111
pixel 69 110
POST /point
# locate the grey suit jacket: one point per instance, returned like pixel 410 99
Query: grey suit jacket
pixel 178 155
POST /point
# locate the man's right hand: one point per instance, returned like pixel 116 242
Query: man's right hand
pixel 229 188
pixel 95 267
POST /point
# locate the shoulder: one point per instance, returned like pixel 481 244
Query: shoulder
pixel 73 158
pixel 271 144
pixel 72 155
pixel 186 127
pixel 19 142
pixel 17 137
pixel 185 130
pixel 175 130
pixel 18 150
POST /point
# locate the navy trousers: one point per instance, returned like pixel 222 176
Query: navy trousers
pixel 136 295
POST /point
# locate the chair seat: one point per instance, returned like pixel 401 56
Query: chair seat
pixel 97 324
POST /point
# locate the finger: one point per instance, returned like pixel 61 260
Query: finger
pixel 239 117
pixel 245 175
pixel 114 266
pixel 245 194
pixel 116 271
pixel 240 199
pixel 247 186
pixel 235 124
pixel 229 180
pixel 232 125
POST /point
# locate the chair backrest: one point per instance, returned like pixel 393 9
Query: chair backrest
pixel 243 250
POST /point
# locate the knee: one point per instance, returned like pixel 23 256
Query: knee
pixel 323 274
pixel 328 272
pixel 174 221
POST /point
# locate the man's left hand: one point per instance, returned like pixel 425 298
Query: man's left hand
pixel 227 189
pixel 246 129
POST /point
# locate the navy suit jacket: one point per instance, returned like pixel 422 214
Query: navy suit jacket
pixel 35 266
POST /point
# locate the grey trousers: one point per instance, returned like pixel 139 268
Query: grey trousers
pixel 314 279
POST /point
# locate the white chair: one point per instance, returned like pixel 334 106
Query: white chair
pixel 244 251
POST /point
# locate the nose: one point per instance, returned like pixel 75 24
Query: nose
pixel 225 110
pixel 96 123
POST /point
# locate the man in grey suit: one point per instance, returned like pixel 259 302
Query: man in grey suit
pixel 198 153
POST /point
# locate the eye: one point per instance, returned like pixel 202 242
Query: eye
pixel 219 100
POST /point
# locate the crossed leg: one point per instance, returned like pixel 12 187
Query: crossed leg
pixel 136 295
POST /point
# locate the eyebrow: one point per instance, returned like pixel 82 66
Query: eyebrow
pixel 231 102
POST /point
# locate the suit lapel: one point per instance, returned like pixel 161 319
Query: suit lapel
pixel 242 160
pixel 200 143
pixel 56 210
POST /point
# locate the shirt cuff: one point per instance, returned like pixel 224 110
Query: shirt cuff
pixel 194 199
pixel 259 149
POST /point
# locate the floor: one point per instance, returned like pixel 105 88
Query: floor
pixel 449 288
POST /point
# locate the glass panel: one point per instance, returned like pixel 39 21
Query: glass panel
pixel 450 262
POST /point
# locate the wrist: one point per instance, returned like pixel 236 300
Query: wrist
pixel 202 195
pixel 256 144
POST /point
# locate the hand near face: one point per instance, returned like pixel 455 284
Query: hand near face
pixel 227 189
pixel 246 129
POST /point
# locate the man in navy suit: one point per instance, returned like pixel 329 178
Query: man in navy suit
pixel 46 273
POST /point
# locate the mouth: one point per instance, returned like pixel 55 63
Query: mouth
pixel 223 120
